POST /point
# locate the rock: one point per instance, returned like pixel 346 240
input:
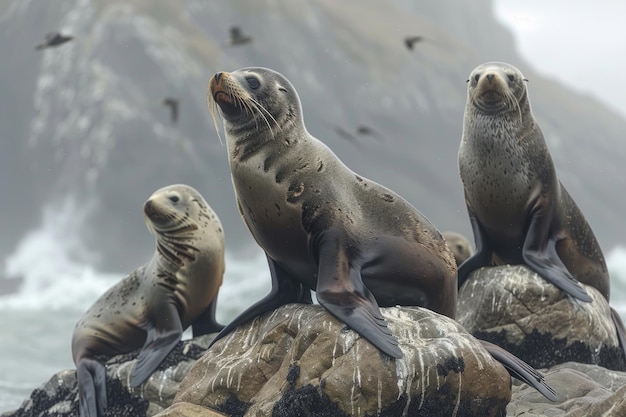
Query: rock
pixel 515 308
pixel 59 396
pixel 583 391
pixel 300 360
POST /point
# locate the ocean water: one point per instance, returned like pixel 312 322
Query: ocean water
pixel 38 320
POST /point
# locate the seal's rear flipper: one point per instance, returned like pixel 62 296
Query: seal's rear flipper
pixel 284 290
pixel 619 327
pixel 164 332
pixel 544 259
pixel 92 393
pixel 520 369
pixel 206 323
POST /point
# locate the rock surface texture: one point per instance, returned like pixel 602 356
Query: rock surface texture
pixel 518 310
pixel 300 360
pixel 59 396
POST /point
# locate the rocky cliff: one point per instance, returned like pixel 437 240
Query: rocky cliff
pixel 85 119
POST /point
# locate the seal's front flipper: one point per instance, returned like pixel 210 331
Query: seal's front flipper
pixel 619 327
pixel 92 392
pixel 206 323
pixel 164 332
pixel 520 369
pixel 539 253
pixel 341 291
pixel 284 290
pixel 482 256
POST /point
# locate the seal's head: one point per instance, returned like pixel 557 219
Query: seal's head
pixel 254 99
pixel 174 214
pixel 495 88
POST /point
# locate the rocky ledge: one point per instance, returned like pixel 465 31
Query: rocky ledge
pixel 299 360
pixel 513 307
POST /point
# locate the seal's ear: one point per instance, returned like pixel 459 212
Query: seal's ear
pixel 525 79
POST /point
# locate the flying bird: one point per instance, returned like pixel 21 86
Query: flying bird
pixel 361 130
pixel 173 104
pixel 412 40
pixel 54 39
pixel 237 37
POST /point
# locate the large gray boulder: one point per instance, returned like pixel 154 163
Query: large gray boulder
pixel 515 308
pixel 300 360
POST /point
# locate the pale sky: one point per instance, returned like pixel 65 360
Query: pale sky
pixel 581 43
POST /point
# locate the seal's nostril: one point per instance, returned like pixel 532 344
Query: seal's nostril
pixel 489 77
pixel 217 77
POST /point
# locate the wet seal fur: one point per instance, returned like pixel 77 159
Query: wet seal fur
pixel 154 304
pixel 323 227
pixel 519 211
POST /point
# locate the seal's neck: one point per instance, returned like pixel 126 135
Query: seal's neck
pixel 244 142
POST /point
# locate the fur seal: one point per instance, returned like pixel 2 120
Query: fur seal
pixel 152 306
pixel 459 245
pixel 324 227
pixel 519 211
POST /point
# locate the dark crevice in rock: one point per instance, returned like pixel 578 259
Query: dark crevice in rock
pixel 451 364
pixel 541 350
pixel 232 407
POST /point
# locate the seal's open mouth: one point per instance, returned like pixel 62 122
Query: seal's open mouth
pixel 224 94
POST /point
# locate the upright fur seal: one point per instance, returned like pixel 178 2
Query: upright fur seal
pixel 154 304
pixel 519 211
pixel 324 227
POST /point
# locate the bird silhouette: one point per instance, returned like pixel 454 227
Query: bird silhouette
pixel 237 37
pixel 173 104
pixel 360 130
pixel 53 39
pixel 409 41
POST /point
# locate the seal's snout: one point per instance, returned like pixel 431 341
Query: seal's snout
pixel 490 77
pixel 217 77
pixel 148 207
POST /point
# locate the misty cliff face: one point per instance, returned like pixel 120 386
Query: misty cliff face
pixel 85 119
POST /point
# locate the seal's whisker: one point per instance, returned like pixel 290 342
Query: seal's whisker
pixel 210 101
pixel 258 108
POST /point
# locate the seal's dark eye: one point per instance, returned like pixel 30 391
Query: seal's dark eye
pixel 253 82
pixel 476 77
pixel 174 198
pixel 511 77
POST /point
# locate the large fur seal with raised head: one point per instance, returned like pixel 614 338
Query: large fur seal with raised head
pixel 519 211
pixel 152 306
pixel 324 227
